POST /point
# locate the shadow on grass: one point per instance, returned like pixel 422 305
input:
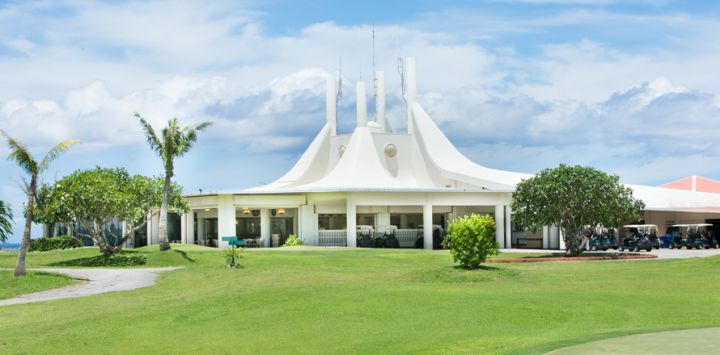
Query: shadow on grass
pixel 105 261
pixel 184 255
pixel 457 274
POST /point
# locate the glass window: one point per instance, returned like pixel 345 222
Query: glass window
pixel 332 222
pixel 247 227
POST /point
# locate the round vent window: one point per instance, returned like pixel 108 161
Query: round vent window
pixel 341 150
pixel 390 150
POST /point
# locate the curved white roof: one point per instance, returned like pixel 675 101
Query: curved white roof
pixel 426 161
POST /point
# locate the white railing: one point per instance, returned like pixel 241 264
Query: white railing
pixel 332 238
pixel 407 237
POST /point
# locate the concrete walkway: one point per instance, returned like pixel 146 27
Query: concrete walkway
pixel 661 253
pixel 687 341
pixel 97 281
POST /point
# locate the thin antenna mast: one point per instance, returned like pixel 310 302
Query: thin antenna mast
pixel 373 62
pixel 339 88
pixel 401 72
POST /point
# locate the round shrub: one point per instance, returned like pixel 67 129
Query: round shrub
pixel 292 241
pixel 55 243
pixel 471 239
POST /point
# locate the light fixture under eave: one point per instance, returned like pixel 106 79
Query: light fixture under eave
pixel 281 211
pixel 207 210
pixel 246 211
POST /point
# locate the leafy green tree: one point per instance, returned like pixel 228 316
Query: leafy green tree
pixel 91 199
pixel 174 141
pixel 6 217
pixel 20 154
pixel 471 240
pixel 572 197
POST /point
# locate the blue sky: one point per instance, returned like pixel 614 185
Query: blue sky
pixel 630 87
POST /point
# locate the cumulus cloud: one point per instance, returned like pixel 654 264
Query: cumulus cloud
pixel 510 95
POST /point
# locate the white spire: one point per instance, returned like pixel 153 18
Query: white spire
pixel 380 98
pixel 331 106
pixel 411 90
pixel 361 105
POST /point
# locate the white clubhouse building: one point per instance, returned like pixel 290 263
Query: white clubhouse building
pixel 377 177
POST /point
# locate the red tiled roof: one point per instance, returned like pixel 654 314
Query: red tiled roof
pixel 694 183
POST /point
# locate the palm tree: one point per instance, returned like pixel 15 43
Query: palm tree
pixel 174 141
pixel 5 221
pixel 20 154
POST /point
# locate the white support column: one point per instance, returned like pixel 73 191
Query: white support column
pixel 500 225
pixel 554 237
pixel 411 90
pixel 123 230
pixel 561 238
pixel 361 104
pixel 226 219
pixel 546 237
pixel 351 222
pixel 330 106
pixel 265 227
pixel 427 227
pixel 183 228
pixel 384 217
pixel 148 229
pixel 508 227
pixel 380 99
pixel 190 237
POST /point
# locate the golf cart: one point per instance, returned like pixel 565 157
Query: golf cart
pixel 364 236
pixel 438 236
pixel 639 237
pixel 385 237
pixel 693 235
pixel 603 239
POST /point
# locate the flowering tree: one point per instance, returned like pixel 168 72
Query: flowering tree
pixel 572 197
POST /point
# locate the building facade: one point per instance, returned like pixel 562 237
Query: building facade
pixel 374 177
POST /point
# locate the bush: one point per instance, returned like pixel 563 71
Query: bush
pixel 55 243
pixel 471 239
pixel 292 241
pixel 114 260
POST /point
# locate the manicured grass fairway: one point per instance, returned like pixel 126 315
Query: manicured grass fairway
pixel 367 300
pixel 11 286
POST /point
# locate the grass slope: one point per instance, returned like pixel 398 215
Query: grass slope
pixel 369 300
pixel 32 282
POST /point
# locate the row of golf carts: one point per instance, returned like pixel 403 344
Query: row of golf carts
pixel 644 237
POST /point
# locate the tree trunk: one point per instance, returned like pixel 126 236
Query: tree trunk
pixel 164 244
pixel 25 243
pixel 573 241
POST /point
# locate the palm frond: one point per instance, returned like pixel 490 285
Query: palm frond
pixel 20 154
pixel 202 126
pixel 152 138
pixel 6 217
pixel 55 152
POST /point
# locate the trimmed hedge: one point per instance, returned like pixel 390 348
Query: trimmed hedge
pixel 471 240
pixel 55 243
pixel 292 241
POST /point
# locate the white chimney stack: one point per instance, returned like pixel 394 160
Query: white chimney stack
pixel 361 105
pixel 330 106
pixel 411 93
pixel 380 99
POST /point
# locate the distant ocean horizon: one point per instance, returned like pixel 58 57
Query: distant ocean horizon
pixel 9 247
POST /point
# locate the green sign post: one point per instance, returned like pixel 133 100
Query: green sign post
pixel 234 243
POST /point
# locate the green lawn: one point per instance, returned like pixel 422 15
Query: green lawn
pixel 32 282
pixel 367 300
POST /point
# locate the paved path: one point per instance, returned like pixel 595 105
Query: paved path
pixel 661 253
pixel 97 281
pixel 687 341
